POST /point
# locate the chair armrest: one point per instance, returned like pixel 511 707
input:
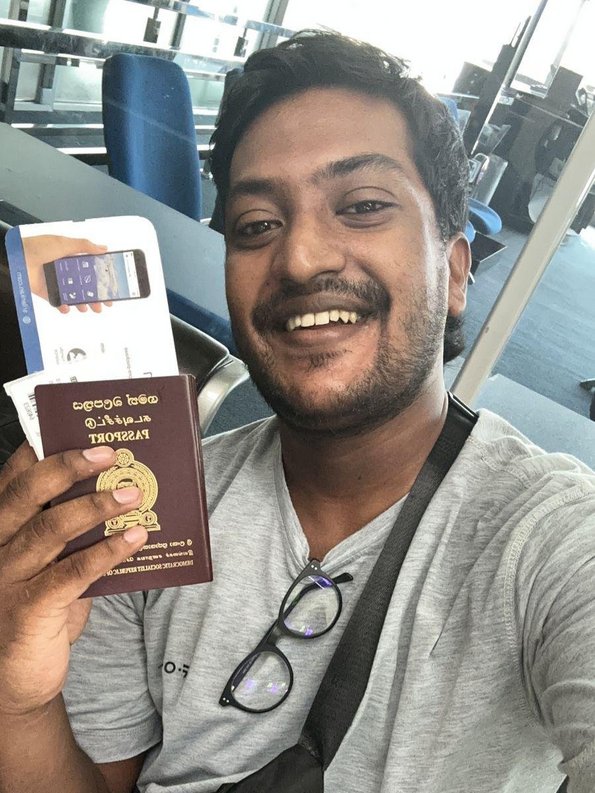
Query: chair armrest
pixel 217 372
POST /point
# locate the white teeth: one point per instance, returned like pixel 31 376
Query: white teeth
pixel 321 318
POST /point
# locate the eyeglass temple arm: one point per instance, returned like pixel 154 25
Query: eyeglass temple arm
pixel 342 579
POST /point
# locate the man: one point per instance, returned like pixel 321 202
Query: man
pixel 343 185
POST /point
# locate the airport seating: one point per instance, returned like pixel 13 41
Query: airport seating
pixel 149 130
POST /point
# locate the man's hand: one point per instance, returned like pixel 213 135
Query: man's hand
pixel 40 614
pixel 49 247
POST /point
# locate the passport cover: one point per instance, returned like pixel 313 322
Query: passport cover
pixel 152 424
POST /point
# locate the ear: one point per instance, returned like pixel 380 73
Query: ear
pixel 459 264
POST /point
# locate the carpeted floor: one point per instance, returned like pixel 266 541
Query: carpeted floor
pixel 553 346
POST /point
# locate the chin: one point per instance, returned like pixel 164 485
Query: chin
pixel 336 420
pixel 344 401
pixel 342 412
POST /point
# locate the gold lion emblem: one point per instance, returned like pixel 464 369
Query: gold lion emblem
pixel 128 472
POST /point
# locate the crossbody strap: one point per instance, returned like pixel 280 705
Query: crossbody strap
pixel 346 678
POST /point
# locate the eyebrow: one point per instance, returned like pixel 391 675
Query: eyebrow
pixel 252 187
pixel 359 162
pixel 329 171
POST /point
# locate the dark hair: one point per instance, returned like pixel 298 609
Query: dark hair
pixel 314 59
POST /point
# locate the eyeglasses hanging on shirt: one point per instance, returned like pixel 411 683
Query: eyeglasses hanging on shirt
pixel 311 607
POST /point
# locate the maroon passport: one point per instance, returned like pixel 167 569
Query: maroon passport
pixel 152 424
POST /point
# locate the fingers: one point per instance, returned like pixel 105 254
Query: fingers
pixel 63 309
pixel 70 246
pixel 44 537
pixel 65 581
pixel 95 307
pixel 17 463
pixel 25 494
pixel 86 246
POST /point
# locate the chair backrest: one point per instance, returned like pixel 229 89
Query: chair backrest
pixel 149 130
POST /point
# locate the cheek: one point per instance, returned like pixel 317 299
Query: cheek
pixel 397 266
pixel 426 265
pixel 241 287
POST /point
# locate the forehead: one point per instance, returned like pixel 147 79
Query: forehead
pixel 301 134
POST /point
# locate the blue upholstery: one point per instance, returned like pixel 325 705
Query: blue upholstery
pixel 481 217
pixel 149 130
pixel 469 231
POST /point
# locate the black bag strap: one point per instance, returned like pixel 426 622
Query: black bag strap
pixel 346 677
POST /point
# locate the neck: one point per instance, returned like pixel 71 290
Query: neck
pixel 338 485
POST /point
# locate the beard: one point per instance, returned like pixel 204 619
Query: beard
pixel 390 385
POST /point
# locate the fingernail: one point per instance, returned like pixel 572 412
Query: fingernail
pixel 126 495
pixel 99 454
pixel 135 535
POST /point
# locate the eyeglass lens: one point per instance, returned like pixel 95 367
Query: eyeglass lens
pixel 311 606
pixel 262 681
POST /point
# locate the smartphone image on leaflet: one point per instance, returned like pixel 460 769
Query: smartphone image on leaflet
pixel 116 275
pixel 107 265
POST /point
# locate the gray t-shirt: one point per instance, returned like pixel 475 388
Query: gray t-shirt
pixel 484 676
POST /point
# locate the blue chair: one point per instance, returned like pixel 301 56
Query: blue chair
pixel 149 131
pixel 482 218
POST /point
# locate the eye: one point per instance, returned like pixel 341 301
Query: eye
pixel 366 207
pixel 256 228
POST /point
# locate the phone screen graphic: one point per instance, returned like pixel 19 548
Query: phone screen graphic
pixel 88 279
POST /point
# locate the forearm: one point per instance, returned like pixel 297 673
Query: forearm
pixel 38 754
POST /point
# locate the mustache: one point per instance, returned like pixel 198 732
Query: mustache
pixel 372 295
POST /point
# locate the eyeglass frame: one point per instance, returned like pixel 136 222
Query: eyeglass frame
pixel 279 629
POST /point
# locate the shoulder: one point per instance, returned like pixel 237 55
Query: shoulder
pixel 541 505
pixel 535 512
pixel 512 495
pixel 507 460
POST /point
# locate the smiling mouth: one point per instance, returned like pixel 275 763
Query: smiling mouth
pixel 334 316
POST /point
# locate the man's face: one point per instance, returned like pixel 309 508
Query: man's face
pixel 338 283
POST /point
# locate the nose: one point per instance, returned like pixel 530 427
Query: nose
pixel 308 248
